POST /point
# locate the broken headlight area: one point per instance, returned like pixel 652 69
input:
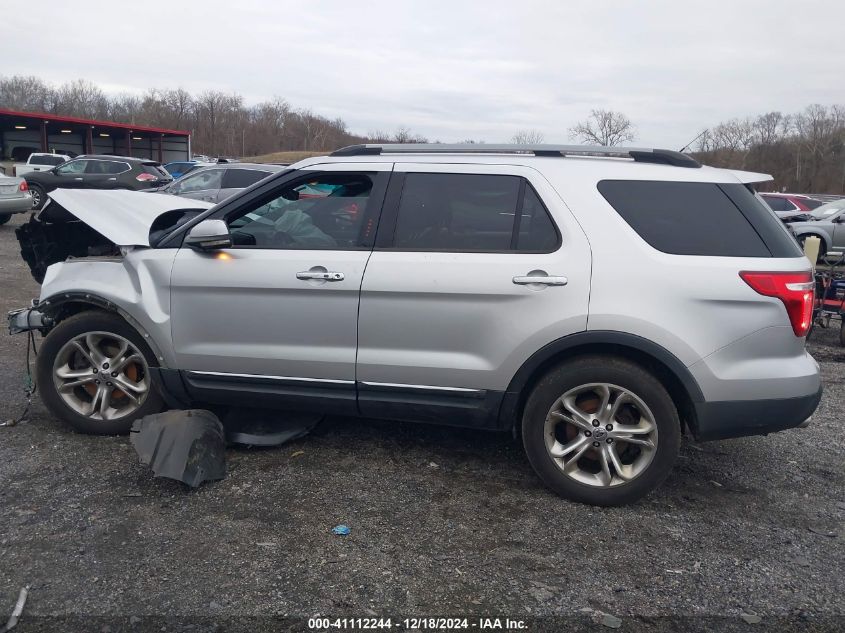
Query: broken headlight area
pixel 46 243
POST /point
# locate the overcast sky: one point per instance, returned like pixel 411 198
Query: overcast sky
pixel 455 69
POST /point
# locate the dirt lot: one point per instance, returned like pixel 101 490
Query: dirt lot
pixel 444 523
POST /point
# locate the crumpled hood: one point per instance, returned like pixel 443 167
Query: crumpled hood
pixel 123 217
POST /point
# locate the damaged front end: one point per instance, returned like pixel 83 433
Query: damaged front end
pixel 98 248
pixel 83 224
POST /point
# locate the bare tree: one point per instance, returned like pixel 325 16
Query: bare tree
pixel 82 98
pixel 604 127
pixel 528 137
pixel 26 93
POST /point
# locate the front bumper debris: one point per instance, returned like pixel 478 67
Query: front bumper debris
pixel 26 319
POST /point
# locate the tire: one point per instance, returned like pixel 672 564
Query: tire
pixel 91 384
pixel 586 381
pixel 5 217
pixel 39 196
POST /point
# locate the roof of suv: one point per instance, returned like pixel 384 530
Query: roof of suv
pixel 599 162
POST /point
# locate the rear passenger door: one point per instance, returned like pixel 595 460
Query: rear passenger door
pixel 237 178
pixel 450 308
pixel 103 174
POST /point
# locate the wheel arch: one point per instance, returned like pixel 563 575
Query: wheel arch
pixel 672 373
pixel 62 305
pixel 825 239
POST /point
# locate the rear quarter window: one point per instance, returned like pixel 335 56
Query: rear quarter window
pixel 694 218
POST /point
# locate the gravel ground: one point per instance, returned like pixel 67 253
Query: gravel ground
pixel 444 522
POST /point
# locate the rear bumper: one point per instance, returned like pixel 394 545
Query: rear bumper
pixel 738 418
pixel 16 205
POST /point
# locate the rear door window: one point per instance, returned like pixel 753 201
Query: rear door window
pixel 471 213
pixel 106 167
pixel 242 178
pixel 694 218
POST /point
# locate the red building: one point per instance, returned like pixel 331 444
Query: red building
pixel 22 133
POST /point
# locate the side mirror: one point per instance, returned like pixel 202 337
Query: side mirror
pixel 209 235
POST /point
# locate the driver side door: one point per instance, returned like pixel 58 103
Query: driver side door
pixel 71 175
pixel 276 315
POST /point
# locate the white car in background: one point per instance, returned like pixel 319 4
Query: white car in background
pixel 14 197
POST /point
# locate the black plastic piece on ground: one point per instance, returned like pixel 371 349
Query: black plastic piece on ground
pixel 264 427
pixel 188 446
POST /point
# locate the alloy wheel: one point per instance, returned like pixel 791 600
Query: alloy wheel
pixel 101 375
pixel 601 434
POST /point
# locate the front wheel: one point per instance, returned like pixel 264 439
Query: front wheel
pixel 39 197
pixel 93 372
pixel 5 217
pixel 601 430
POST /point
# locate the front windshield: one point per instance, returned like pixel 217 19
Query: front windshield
pixel 827 211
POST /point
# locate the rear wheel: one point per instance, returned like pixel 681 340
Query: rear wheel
pixel 601 430
pixel 38 196
pixel 5 217
pixel 93 372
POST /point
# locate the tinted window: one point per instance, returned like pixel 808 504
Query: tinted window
pixel 470 212
pixel 106 167
pixel 324 212
pixel 779 204
pixel 200 181
pixel 46 160
pixel 771 230
pixel 242 178
pixel 686 218
pixel 536 230
pixel 811 203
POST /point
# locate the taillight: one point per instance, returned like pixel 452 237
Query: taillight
pixel 796 290
pixel 145 177
pixel 24 186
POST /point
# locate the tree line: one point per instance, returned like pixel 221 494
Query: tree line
pixel 220 122
pixel 804 151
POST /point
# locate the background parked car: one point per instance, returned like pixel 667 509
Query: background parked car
pixel 179 168
pixel 39 161
pixel 14 197
pixel 790 205
pixel 220 181
pixel 97 172
pixel 827 223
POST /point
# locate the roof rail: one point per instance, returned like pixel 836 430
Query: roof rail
pixel 639 154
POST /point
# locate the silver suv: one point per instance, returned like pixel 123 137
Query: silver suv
pixel 599 301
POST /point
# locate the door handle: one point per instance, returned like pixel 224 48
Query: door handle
pixel 547 280
pixel 78 178
pixel 319 275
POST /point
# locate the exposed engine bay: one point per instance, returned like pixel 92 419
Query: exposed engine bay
pixel 86 224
